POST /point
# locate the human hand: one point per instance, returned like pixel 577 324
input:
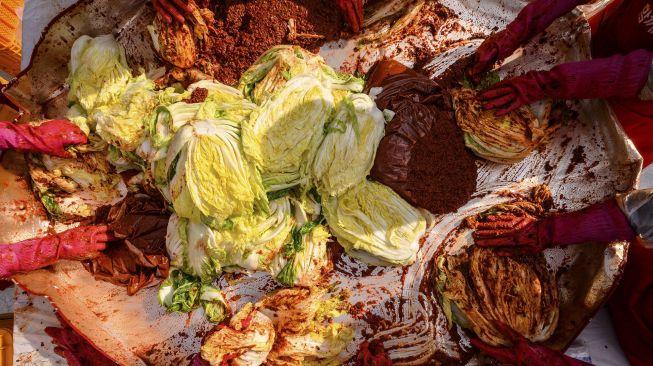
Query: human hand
pixel 511 234
pixel 531 20
pixel 353 10
pixel 171 9
pixel 50 137
pixel 619 76
pixel 77 243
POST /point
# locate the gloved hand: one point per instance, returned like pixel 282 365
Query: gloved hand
pixel 28 255
pixel 353 10
pixel 616 76
pixel 533 19
pixel 524 353
pixel 199 361
pixel 518 235
pixel 171 9
pixel 75 348
pixel 372 354
pixel 50 137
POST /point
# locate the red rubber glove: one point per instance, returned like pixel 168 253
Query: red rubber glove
pixel 372 354
pixel 171 9
pixel 519 235
pixel 51 137
pixel 75 348
pixel 617 76
pixel 28 255
pixel 199 361
pixel 533 19
pixel 353 10
pixel 525 353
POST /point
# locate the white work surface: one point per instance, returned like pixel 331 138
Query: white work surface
pixel 597 343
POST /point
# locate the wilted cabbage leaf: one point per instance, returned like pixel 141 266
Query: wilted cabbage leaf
pixel 214 304
pixel 245 341
pixel 208 176
pixel 98 71
pixel 284 133
pixel 77 115
pixel 506 139
pixel 175 42
pixel 122 123
pixel 375 225
pixel 252 242
pixel 193 248
pixel 346 155
pixel 282 63
pixel 181 43
pixel 73 189
pixel 273 69
pixel 304 258
pixel 479 288
pixel 304 321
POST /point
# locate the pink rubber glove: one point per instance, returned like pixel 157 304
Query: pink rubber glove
pixel 171 9
pixel 75 348
pixel 533 19
pixel 51 137
pixel 353 10
pixel 525 353
pixel 28 255
pixel 617 76
pixel 518 235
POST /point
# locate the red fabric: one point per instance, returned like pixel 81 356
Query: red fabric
pixel 624 26
pixel 75 348
pixel 636 117
pixel 523 352
pixel 631 307
pixel 628 28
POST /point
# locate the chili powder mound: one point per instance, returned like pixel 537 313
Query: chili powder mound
pixel 244 30
pixel 198 96
pixel 422 156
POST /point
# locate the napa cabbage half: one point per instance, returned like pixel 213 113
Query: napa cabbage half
pixel 375 225
pixel 283 135
pixel 346 155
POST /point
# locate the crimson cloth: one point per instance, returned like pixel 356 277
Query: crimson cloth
pixel 631 307
pixel 627 25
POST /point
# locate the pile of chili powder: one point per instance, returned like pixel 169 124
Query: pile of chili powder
pixel 422 156
pixel 244 29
